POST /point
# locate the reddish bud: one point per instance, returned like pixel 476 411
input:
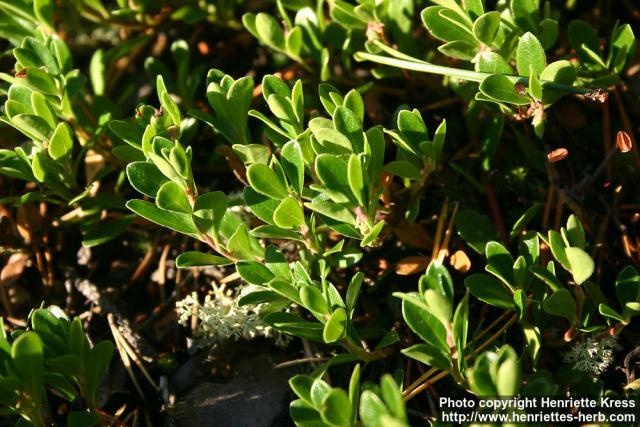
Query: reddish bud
pixel 570 334
pixel 623 141
pixel 557 155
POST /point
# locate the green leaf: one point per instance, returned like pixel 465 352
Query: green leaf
pixel 501 89
pixel 461 324
pixel 500 263
pixel 493 63
pixel 167 102
pixel 403 169
pixel 561 303
pixel 262 206
pixel 42 109
pixel 347 123
pixel 293 165
pixel 265 181
pixel 549 31
pixel 208 212
pixel 439 305
pixel 276 262
pixel 546 276
pixel 609 312
pixel 372 235
pixel 294 325
pixel 526 13
pixel 42 81
pixel 429 355
pixel 274 85
pixel 447 25
pixel 530 55
pixel 319 391
pixel 574 233
pixel 275 232
pixel 269 31
pixel 622 47
pixel 303 413
pixel 336 408
pixel 313 300
pixel 281 107
pixel 97 68
pixel 392 397
pixel 294 41
pixel 146 178
pixel 353 101
pixel 476 229
pixel 421 321
pixel 254 272
pixel 508 376
pixel 301 386
pixel 353 291
pixel 354 392
pixel 251 153
pixel 372 409
pixel 43 10
pixel 412 126
pixel 289 214
pixel 325 90
pixel 489 290
pixel 199 259
pixel 581 263
pixel 356 178
pixel 560 72
pixel 336 326
pixel 333 210
pixel 485 28
pixel 628 286
pixel 61 142
pixel 558 249
pixel 286 289
pixel 459 49
pixel 97 365
pixel 28 361
pixel 333 172
pixel 130 133
pixel 180 222
pixel 261 297
pixel 105 231
pixel 535 88
pixel 171 197
pixel 333 141
pixel 583 35
pixel 437 277
pixel 34 127
pixel 241 243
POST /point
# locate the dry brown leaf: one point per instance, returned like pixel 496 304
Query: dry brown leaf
pixel 413 235
pixel 13 268
pixel 460 261
pixel 93 162
pixel 411 265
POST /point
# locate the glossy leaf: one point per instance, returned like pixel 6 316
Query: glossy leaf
pixel 336 326
pixel 265 181
pixel 199 259
pixel 530 55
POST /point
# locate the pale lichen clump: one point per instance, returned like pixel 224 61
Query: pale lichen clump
pixel 220 317
pixel 592 355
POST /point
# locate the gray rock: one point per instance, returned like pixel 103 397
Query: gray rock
pixel 257 396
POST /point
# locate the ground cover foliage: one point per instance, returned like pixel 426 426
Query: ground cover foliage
pixel 391 201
